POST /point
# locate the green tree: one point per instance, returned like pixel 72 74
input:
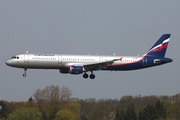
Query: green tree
pixel 140 117
pixel 75 108
pixel 130 113
pixel 161 110
pixel 4 109
pixel 26 114
pixel 122 113
pixel 173 110
pixel 65 115
pixel 30 102
pixel 83 116
pixel 148 113
pixel 117 117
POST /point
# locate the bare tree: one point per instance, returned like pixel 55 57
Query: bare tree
pixel 65 94
pixel 51 99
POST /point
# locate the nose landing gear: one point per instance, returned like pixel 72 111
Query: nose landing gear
pixel 24 75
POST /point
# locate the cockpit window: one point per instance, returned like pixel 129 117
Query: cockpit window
pixel 14 57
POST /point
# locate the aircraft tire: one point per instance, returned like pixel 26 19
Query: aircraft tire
pixel 92 76
pixel 85 75
pixel 24 75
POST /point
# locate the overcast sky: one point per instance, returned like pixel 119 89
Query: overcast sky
pixel 89 27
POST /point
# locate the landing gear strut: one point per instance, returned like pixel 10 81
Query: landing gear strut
pixel 24 75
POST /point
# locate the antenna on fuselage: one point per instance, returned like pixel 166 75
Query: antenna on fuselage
pixel 114 54
pixel 26 51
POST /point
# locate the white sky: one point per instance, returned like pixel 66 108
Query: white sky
pixel 103 27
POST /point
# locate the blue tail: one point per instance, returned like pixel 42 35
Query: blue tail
pixel 159 48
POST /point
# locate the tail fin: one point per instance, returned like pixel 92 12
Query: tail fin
pixel 159 48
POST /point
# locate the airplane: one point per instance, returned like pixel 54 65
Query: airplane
pixel 81 64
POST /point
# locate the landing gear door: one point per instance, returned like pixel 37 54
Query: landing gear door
pixel 26 58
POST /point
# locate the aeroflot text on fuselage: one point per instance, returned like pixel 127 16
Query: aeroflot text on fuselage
pixel 82 64
pixel 38 54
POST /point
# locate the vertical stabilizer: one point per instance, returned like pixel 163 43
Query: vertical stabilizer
pixel 159 48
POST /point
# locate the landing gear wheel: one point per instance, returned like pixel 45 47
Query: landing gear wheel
pixel 92 76
pixel 85 75
pixel 24 75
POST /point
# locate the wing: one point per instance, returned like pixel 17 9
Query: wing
pixel 96 66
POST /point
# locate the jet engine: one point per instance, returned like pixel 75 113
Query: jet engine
pixel 64 70
pixel 76 70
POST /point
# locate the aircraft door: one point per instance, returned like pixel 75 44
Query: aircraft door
pixel 100 59
pixel 26 58
pixel 59 59
pixel 145 61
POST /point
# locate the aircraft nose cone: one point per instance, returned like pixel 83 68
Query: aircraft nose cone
pixel 8 63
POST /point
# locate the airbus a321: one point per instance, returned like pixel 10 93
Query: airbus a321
pixel 81 64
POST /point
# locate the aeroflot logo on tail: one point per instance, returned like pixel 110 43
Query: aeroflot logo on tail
pixel 160 46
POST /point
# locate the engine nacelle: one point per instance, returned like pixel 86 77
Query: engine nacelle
pixel 64 70
pixel 76 70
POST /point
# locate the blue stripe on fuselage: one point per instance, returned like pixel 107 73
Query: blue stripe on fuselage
pixel 130 66
pixel 144 63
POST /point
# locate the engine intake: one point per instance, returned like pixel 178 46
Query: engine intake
pixel 76 70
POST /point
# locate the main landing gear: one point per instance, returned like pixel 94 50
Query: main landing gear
pixel 85 75
pixel 24 75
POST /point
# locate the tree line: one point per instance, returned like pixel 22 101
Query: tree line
pixel 56 103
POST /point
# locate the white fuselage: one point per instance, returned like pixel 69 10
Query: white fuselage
pixel 57 61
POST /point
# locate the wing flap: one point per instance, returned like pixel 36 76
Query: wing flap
pixel 96 66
